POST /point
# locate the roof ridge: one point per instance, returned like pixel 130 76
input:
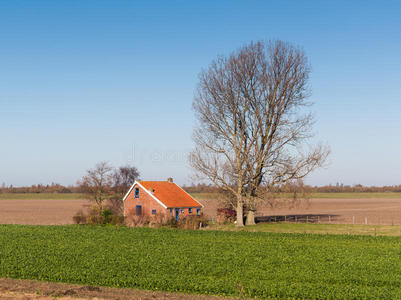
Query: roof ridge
pixel 155 181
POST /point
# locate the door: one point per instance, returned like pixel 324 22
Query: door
pixel 138 210
pixel 177 214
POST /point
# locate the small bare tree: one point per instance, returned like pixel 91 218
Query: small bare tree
pixel 97 183
pixel 123 178
pixel 252 128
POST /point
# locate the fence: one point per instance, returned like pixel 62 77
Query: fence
pixel 332 219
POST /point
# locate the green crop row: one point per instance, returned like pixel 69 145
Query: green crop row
pixel 264 265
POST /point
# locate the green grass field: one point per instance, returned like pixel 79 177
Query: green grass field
pixel 250 264
pixel 38 196
pixel 283 227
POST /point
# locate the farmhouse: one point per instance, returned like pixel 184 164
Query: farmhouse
pixel 147 198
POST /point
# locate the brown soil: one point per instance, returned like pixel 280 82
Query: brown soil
pixel 39 212
pixel 30 289
pixel 341 211
pixel 347 211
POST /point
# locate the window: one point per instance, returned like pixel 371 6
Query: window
pixel 198 211
pixel 182 210
pixel 153 211
pixel 190 210
pixel 136 192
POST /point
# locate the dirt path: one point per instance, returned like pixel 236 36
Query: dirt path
pixel 30 289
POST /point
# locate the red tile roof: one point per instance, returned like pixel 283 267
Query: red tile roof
pixel 170 194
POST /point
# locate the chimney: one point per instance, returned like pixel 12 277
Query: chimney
pixel 170 179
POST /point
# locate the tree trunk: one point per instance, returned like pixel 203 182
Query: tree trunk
pixel 250 218
pixel 240 212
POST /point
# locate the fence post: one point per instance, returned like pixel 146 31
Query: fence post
pixel 285 218
pixel 295 219
pixel 366 221
pixel 318 219
pixel 353 220
pixel 307 219
pixel 329 219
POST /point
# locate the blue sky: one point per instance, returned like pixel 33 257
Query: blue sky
pixel 86 81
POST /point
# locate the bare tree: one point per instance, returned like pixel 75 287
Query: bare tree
pixel 253 126
pixel 97 183
pixel 104 184
pixel 123 178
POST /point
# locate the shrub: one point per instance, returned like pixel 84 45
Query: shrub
pixel 117 220
pixel 225 215
pixel 94 216
pixel 221 219
pixel 97 216
pixel 159 220
pixel 107 215
pixel 79 218
pixel 171 222
pixel 192 222
pixel 133 220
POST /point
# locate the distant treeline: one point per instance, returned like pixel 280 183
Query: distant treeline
pixel 41 188
pixel 207 188
pixel 358 188
pixel 338 188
